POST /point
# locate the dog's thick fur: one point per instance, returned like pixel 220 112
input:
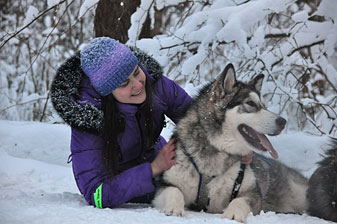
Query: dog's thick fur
pixel 225 124
pixel 322 191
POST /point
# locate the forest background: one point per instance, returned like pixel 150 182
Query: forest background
pixel 292 42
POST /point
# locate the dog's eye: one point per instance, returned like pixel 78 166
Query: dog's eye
pixel 251 103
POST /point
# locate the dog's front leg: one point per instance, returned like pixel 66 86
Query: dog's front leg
pixel 170 200
pixel 237 210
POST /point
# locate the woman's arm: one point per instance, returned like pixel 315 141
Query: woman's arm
pixel 176 98
pixel 93 181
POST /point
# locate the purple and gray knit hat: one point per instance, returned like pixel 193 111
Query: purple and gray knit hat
pixel 107 63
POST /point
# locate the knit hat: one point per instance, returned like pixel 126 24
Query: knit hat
pixel 107 63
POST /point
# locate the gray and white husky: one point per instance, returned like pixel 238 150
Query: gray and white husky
pixel 218 163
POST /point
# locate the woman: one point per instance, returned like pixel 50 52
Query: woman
pixel 115 100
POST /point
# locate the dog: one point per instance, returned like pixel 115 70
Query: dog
pixel 219 163
pixel 322 190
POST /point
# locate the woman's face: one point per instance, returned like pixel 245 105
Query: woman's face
pixel 132 90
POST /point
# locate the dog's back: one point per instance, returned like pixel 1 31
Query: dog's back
pixel 283 189
pixel 322 191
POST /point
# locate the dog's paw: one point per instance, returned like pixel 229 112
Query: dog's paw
pixel 237 210
pixel 170 201
pixel 174 211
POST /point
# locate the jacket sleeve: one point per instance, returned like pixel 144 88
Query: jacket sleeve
pixel 92 178
pixel 176 97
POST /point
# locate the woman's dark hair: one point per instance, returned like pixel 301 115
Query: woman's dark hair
pixel 114 125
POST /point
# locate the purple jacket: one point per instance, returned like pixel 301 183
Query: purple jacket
pixel 90 174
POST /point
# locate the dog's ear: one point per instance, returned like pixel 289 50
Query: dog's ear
pixel 224 84
pixel 228 78
pixel 257 82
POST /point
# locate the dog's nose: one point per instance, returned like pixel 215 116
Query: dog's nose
pixel 281 122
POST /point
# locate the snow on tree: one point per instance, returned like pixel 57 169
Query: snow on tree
pixel 292 42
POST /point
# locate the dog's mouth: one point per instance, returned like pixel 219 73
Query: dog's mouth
pixel 257 140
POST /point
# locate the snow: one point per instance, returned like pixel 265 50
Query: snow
pixel 327 8
pixel 248 35
pixel 137 20
pixel 52 3
pixel 86 6
pixel 37 185
pixel 301 16
pixel 31 13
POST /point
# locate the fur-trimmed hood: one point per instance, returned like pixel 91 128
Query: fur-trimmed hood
pixel 64 89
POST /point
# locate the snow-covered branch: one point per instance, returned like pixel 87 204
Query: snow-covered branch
pixel 36 38
pixel 31 22
pixel 292 41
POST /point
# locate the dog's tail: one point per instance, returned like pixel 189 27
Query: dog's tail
pixel 322 190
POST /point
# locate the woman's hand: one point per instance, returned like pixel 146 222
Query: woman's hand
pixel 164 159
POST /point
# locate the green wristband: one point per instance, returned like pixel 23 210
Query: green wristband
pixel 98 197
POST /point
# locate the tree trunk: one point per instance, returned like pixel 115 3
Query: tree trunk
pixel 112 19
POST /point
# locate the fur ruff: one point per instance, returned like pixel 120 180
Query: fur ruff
pixel 86 117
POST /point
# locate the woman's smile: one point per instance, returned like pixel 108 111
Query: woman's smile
pixel 137 93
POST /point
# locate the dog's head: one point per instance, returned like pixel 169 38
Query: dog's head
pixel 246 120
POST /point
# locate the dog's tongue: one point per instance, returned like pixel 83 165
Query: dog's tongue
pixel 267 145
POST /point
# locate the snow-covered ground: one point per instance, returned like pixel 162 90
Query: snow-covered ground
pixel 37 186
